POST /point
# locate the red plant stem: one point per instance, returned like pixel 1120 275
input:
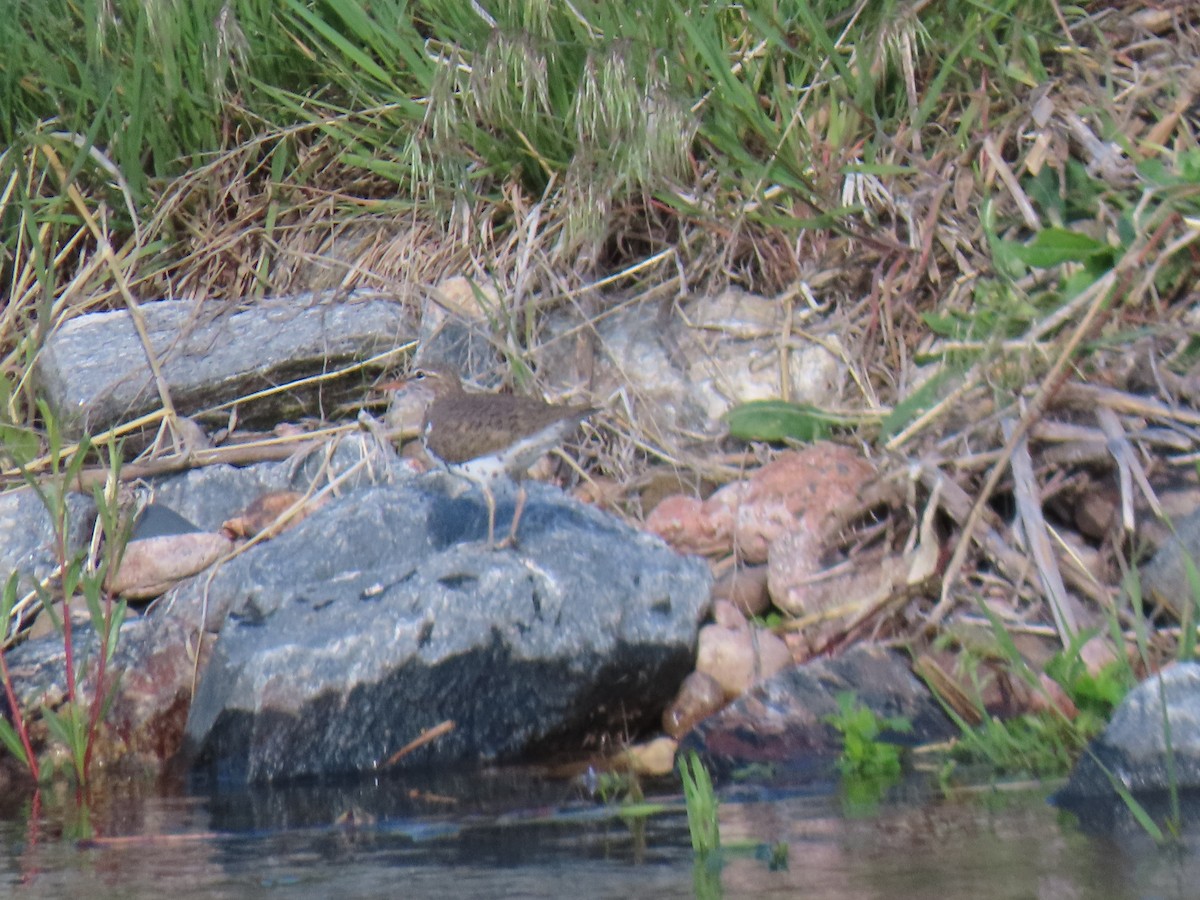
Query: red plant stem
pixel 98 691
pixel 68 638
pixel 30 868
pixel 68 643
pixel 18 718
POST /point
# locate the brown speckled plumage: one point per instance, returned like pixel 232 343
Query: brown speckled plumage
pixel 462 427
pixel 483 436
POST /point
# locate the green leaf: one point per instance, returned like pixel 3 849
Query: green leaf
pixel 1187 643
pixel 91 596
pixel 945 324
pixel 1052 246
pixel 47 600
pixel 701 802
pixel 347 48
pixel 778 420
pixel 9 600
pixel 12 741
pixel 68 726
pixel 114 628
pixel 76 462
pixel 19 443
pixel 57 726
pixel 916 403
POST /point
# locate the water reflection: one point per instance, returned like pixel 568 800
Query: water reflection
pixel 505 834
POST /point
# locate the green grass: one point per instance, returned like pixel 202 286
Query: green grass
pixel 771 104
pixel 701 801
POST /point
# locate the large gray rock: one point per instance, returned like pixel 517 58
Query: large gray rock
pixel 152 673
pixel 1133 748
pixel 94 373
pixel 382 615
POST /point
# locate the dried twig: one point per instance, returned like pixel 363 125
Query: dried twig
pixel 1029 508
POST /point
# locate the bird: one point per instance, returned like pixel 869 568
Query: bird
pixel 484 437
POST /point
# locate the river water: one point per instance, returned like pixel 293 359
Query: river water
pixel 505 834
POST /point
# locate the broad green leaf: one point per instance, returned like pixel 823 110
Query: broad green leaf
pixel 948 325
pixel 1052 246
pixel 777 420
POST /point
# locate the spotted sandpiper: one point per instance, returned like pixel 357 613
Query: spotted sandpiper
pixel 485 437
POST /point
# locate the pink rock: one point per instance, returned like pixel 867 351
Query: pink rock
pixel 738 657
pixel 683 523
pixel 798 489
pixel 795 559
pixel 746 588
pixel 727 615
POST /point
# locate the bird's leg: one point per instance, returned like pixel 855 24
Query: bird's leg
pixel 490 499
pixel 511 540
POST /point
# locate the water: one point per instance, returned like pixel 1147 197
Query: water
pixel 507 835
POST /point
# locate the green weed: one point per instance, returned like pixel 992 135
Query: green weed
pixel 703 825
pixel 701 802
pixel 77 723
pixel 864 755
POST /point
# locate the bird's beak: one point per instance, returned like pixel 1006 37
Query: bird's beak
pixel 389 390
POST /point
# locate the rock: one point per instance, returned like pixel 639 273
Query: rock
pixel 796 491
pixel 792 570
pixel 1165 578
pixel 463 297
pixel 1097 512
pixel 835 599
pixel 1133 747
pixel 727 615
pixel 94 374
pixel 266 514
pixel 156 653
pixel 782 721
pixel 682 373
pixel 699 696
pixel 373 619
pixel 150 567
pixel 686 524
pixel 738 657
pixel 601 491
pixel 654 758
pixel 746 588
pixel 660 482
pixel 27 536
pixel 163 549
pixel 213 496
